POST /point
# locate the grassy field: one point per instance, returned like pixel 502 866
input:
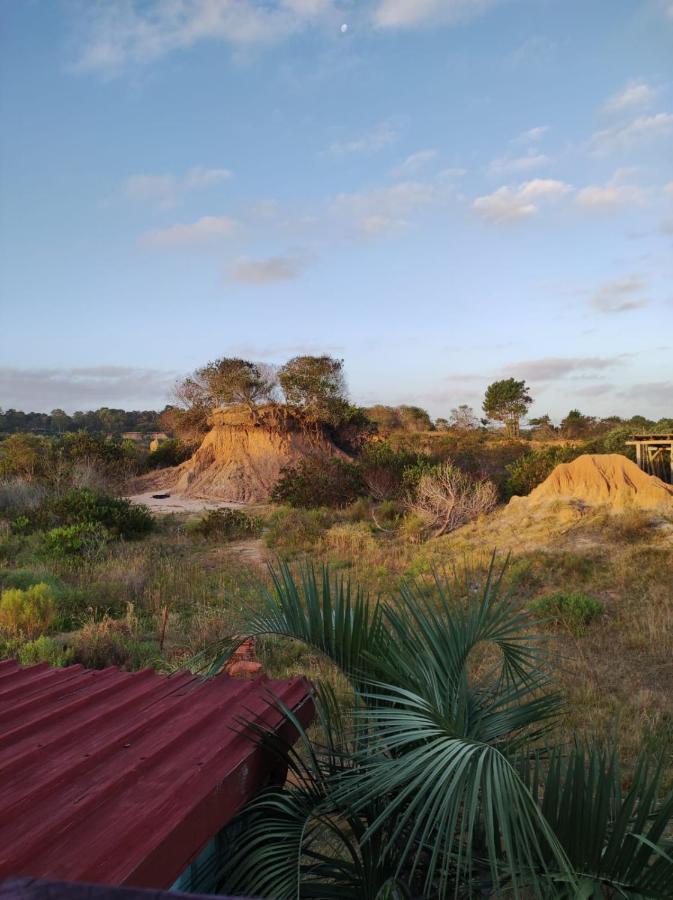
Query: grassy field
pixel 163 599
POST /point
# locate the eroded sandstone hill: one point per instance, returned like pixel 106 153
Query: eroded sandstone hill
pixel 242 455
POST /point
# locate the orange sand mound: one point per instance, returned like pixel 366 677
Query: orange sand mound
pixel 604 479
pixel 241 458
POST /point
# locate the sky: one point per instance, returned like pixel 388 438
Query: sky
pixel 440 192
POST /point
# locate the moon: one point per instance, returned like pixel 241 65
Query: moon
pixel 344 28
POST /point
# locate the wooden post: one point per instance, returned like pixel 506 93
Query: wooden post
pixel 639 454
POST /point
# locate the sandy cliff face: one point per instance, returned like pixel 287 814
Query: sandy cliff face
pixel 241 457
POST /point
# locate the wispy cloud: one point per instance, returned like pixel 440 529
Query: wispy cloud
pixel 387 209
pixel 509 204
pixel 625 135
pixel 509 164
pixel 414 163
pixel 265 271
pixel 636 94
pixel 382 135
pixel 619 295
pixel 114 35
pixel 165 191
pixel 555 368
pixel 614 195
pixel 410 13
pixel 41 389
pixel 206 230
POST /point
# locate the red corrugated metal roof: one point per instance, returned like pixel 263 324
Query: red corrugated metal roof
pixel 122 777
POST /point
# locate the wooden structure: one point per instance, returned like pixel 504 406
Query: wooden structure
pixel 654 454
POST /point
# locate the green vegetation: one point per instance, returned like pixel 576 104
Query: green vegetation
pixel 574 610
pixel 443 773
pixel 318 482
pixel 227 524
pixel 27 612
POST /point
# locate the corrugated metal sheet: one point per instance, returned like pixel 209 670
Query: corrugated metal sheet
pixel 121 778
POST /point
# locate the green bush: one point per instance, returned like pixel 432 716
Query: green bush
pixel 297 530
pixel 316 482
pixel 103 647
pixel 80 506
pixel 572 609
pixel 226 523
pixel 44 649
pixel 170 453
pixel 27 613
pixel 533 467
pixel 383 469
pixel 87 539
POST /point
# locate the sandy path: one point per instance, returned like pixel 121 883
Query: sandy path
pixel 176 503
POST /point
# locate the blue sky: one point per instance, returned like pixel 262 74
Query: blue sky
pixel 442 192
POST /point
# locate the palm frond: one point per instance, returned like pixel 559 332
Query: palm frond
pixel 320 610
pixel 615 836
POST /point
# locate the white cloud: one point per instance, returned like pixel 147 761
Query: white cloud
pixel 117 33
pixel 265 271
pixel 411 13
pixel 531 135
pixel 165 191
pixel 636 94
pixel 140 31
pixel 625 135
pixel 668 189
pixel 611 196
pixel 206 230
pixel 512 203
pixel 387 209
pixel 413 164
pixel 370 142
pixel 620 295
pixel 508 164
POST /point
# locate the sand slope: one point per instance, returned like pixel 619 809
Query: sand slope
pixel 603 480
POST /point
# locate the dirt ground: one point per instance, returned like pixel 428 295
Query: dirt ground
pixel 177 503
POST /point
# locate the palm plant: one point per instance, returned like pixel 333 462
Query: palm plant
pixel 442 780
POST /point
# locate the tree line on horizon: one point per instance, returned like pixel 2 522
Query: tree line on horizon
pixel 315 387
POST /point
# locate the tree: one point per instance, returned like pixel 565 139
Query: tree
pixel 415 418
pixel 507 401
pixel 224 382
pixel 463 418
pixel 315 385
pixel 576 424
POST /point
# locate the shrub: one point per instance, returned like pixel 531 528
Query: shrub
pixel 44 649
pixel 18 496
pixel 227 523
pixel 573 609
pixel 113 642
pixel 27 613
pixel 350 539
pixel 170 453
pixel 117 514
pixel 383 468
pixel 446 498
pixel 80 506
pixel 297 530
pixel 316 482
pixel 87 539
pixel 533 467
